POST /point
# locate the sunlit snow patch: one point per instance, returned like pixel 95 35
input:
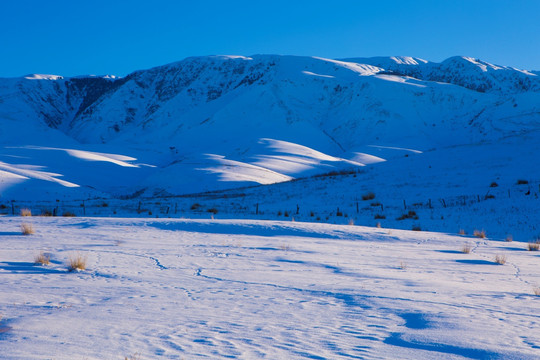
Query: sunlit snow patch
pixel 401 79
pixel 120 160
pixel 366 159
pixel 396 148
pixel 231 170
pixel 14 173
pixel 319 75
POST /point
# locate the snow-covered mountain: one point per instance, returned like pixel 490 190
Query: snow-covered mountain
pixel 216 122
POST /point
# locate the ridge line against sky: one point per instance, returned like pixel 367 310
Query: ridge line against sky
pixel 118 37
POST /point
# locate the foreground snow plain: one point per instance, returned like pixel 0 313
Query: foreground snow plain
pixel 250 289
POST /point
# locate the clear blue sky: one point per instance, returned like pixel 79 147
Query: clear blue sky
pixel 116 37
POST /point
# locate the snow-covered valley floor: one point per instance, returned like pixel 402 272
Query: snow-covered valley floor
pixel 251 289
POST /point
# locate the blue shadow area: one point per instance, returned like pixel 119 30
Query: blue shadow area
pixel 27 268
pixel 415 320
pixel 237 229
pixel 476 262
pixel 396 340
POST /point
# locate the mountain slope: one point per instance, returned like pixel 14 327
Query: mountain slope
pixel 201 123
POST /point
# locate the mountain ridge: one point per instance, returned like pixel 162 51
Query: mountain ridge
pixel 198 118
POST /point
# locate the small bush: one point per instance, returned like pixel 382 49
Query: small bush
pixel 416 228
pixel 536 290
pixel 376 203
pixel 410 215
pixel 500 259
pixel 466 249
pixel 351 221
pixel 509 238
pixel 311 214
pixel 46 213
pixel 27 229
pixel 26 212
pixel 42 258
pixel 212 210
pixel 339 213
pixel 379 225
pixel 279 213
pixel 379 216
pixel 369 196
pixel 533 246
pixel 104 204
pixel 480 234
pixel 493 184
pixel 461 232
pixel 195 206
pixel 522 182
pixel 77 262
pixel 135 356
pixel 68 214
pixel 286 214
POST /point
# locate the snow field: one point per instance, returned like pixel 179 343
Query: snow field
pixel 194 289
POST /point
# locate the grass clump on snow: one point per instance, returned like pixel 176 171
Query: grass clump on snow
pixel 480 233
pixel 27 229
pixel 42 258
pixel 536 290
pixel 26 212
pixel 500 259
pixel 77 262
pixel 467 248
pixel 369 196
pixel 410 215
pixel 534 246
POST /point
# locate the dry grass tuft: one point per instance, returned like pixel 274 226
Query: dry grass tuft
pixel 369 196
pixel 410 215
pixel 536 290
pixel 42 258
pixel 135 356
pixel 509 238
pixel 46 213
pixel 467 248
pixel 480 233
pixel 26 212
pixel 285 247
pixel 416 228
pixel 351 222
pixel 77 262
pixel 27 229
pixel 68 214
pixel 379 225
pixel 461 232
pixel 500 259
pixel 403 265
pixel 533 246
